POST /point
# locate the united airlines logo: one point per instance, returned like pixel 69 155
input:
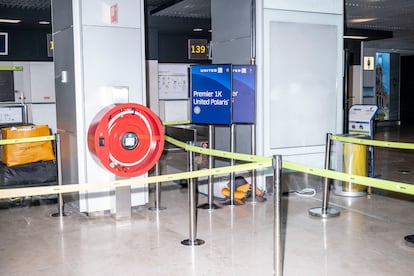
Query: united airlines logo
pixel 218 70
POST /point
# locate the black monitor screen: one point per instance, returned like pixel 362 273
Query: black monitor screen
pixel 6 86
pixel 3 44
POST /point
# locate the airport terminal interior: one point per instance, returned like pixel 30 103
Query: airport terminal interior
pixel 367 238
pixel 111 84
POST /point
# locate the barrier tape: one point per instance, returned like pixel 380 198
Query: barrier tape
pixel 70 188
pixel 171 123
pixel 406 188
pixel 27 140
pixel 368 142
pixel 257 163
pixel 11 68
pixel 218 153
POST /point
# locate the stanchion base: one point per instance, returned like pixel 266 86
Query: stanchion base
pixel 330 212
pixel 157 209
pixel 193 242
pixel 207 206
pixel 409 240
pixel 258 199
pixel 235 203
pixel 57 215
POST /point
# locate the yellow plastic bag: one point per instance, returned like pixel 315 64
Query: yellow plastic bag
pixel 24 153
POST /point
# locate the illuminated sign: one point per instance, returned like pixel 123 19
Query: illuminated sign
pixel 197 49
pixel 244 94
pixel 210 87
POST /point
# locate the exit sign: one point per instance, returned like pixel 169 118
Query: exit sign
pixel 197 49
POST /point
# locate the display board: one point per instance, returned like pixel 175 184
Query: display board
pixel 6 86
pixel 211 94
pixel 11 115
pixel 172 81
pixel 4 44
pixel 244 94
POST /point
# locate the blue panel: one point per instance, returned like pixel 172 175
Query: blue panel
pixel 3 44
pixel 244 93
pixel 210 94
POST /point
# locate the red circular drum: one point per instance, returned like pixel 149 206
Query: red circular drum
pixel 127 139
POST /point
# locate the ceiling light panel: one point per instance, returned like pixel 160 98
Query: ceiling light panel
pixel 388 13
pixel 26 4
pixel 188 8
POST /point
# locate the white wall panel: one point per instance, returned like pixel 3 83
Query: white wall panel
pixel 319 6
pixel 97 56
pixel 22 82
pixel 107 53
pixel 177 110
pixel 42 85
pixel 302 92
pixel 98 12
pixel 112 58
pixel 235 51
pixel 44 114
pixel 234 20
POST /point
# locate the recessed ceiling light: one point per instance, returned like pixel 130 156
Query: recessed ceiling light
pixel 355 37
pixel 362 20
pixel 197 30
pixel 13 21
pixel 44 22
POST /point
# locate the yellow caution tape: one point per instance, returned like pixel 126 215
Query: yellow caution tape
pixel 257 162
pixel 406 188
pixel 70 188
pixel 27 140
pixel 218 153
pixel 171 123
pixel 384 144
pixel 11 68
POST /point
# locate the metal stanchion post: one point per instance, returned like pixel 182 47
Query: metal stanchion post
pixel 277 219
pixel 157 195
pixel 210 205
pixel 61 212
pixel 232 175
pixel 192 240
pixel 325 211
pixel 231 202
pixel 254 199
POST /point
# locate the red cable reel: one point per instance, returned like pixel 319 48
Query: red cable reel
pixel 126 139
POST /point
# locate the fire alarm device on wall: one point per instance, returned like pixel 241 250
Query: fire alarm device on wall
pixel 114 13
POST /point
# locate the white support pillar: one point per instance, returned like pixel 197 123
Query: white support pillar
pixel 99 47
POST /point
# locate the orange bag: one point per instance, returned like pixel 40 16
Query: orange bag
pixel 23 153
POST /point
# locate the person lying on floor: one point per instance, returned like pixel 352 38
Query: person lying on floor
pixel 242 190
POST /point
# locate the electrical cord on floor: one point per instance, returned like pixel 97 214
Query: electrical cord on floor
pixel 306 192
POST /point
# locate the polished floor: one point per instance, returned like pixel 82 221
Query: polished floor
pixel 366 239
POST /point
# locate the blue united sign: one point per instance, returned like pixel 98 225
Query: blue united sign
pixel 210 94
pixel 244 94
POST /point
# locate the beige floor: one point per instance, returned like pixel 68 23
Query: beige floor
pixel 366 239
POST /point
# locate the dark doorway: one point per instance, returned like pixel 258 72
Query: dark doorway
pixel 407 90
